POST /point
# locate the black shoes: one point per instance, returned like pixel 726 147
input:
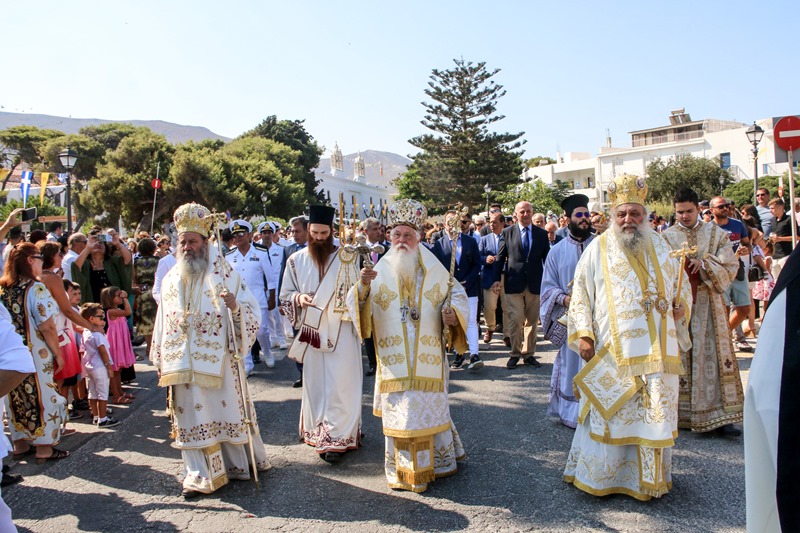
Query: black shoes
pixel 458 361
pixel 256 360
pixel 513 361
pixel 507 342
pixel 531 360
pixel 297 384
pixel 331 457
pixel 475 362
pixel 729 431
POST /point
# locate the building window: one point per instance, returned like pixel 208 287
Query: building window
pixel 725 160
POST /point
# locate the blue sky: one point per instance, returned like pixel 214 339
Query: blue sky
pixel 356 71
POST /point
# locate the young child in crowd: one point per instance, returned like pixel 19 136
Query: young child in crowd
pixel 119 338
pixel 97 364
pixel 67 378
pixel 79 402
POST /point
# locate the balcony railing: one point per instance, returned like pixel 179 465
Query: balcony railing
pixel 668 138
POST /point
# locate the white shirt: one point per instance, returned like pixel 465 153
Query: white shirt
pixel 164 266
pixel 255 268
pixel 66 264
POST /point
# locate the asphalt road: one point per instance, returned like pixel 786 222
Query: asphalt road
pixel 127 478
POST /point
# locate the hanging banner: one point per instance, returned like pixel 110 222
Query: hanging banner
pixel 45 177
pixel 25 186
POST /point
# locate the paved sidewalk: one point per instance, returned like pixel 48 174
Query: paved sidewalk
pixel 127 478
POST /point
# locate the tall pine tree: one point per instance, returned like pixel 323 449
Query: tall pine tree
pixel 462 155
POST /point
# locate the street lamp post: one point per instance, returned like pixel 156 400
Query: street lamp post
pixel 487 190
pixel 754 135
pixel 721 182
pixel 264 198
pixel 68 159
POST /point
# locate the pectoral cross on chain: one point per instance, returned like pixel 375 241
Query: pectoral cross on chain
pixel 363 249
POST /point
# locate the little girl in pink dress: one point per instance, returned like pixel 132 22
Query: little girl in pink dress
pixel 119 338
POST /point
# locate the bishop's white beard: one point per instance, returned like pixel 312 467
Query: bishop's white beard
pixel 405 261
pixel 191 267
pixel 634 241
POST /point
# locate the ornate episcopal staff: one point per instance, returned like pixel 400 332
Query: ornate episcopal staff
pixel 452 230
pixel 245 391
pixel 682 252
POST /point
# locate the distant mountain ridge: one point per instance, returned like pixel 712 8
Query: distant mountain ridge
pixel 393 166
pixel 175 133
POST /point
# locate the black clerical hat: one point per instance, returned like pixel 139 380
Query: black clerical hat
pixel 570 203
pixel 320 214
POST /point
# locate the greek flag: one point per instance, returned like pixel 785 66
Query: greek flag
pixel 62 177
pixel 25 185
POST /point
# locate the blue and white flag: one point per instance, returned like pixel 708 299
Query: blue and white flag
pixel 25 186
pixel 62 177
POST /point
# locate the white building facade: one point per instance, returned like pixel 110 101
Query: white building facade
pixel 722 141
pixel 370 198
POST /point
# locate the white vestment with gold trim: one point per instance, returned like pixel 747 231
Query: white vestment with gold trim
pixel 628 392
pixel 411 383
pixel 328 347
pixel 209 411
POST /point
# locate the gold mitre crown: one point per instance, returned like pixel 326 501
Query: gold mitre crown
pixel 407 212
pixel 197 218
pixel 627 189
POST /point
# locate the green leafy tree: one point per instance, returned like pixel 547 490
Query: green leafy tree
pixel 462 154
pixel 293 134
pixel 23 144
pixel 122 184
pixel 256 165
pixel 741 192
pixel 539 161
pixel 698 173
pixel 90 154
pixel 409 185
pixel 543 197
pixel 111 134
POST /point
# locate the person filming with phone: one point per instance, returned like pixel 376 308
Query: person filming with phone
pixel 105 262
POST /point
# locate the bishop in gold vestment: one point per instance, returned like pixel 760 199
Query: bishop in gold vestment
pixel 403 304
pixel 711 394
pixel 626 320
pixel 198 350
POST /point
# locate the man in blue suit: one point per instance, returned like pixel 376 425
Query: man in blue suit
pixel 467 272
pixel 523 249
pixel 489 246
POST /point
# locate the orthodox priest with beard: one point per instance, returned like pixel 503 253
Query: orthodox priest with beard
pixel 628 321
pixel 206 322
pixel 559 269
pixel 313 298
pixel 403 303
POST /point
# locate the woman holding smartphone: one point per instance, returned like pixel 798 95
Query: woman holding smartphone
pixel 105 262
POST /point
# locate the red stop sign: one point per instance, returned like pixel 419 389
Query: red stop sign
pixel 156 183
pixel 787 133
